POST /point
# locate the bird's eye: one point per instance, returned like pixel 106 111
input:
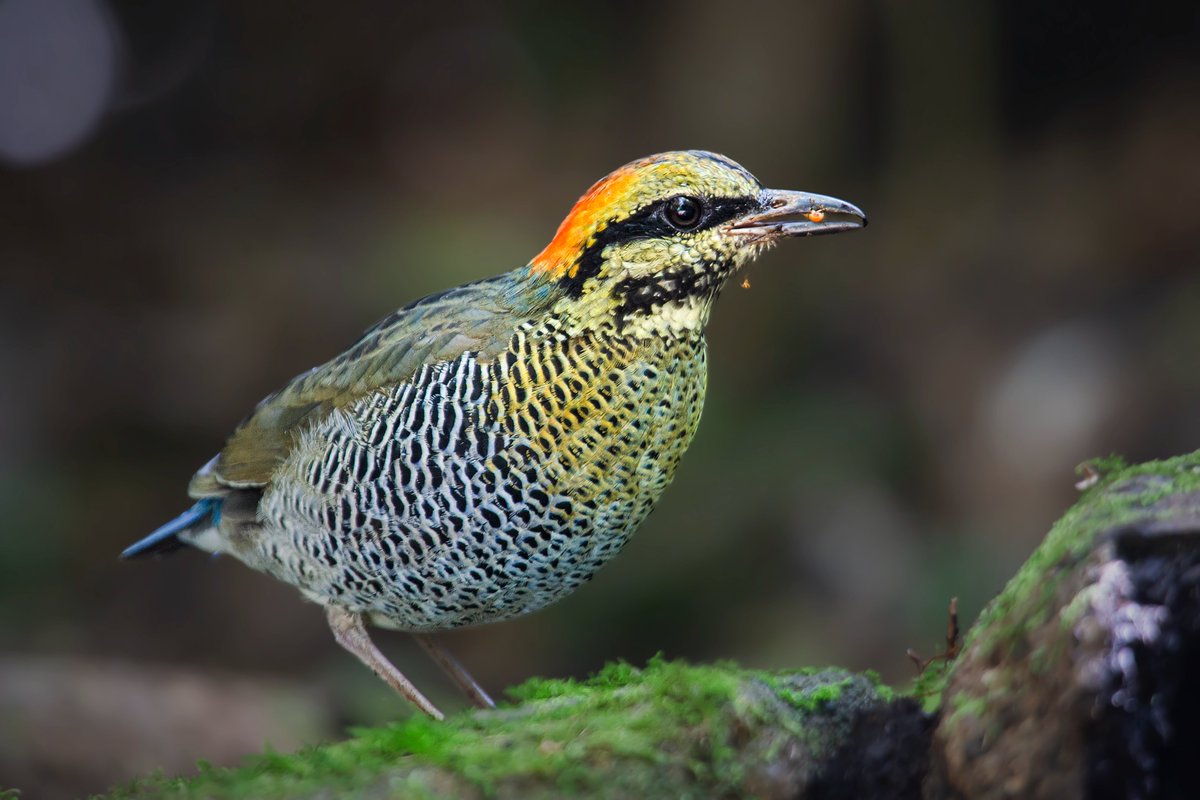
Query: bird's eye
pixel 684 213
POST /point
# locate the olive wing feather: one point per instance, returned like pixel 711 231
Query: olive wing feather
pixel 476 317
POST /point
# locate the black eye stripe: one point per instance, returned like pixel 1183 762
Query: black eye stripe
pixel 650 222
pixel 721 210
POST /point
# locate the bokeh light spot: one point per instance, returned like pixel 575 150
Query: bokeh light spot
pixel 58 64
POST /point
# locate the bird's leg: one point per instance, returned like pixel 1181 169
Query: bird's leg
pixel 455 670
pixel 351 634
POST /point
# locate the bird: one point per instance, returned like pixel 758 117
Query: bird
pixel 483 451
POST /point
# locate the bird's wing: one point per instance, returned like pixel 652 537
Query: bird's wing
pixel 476 317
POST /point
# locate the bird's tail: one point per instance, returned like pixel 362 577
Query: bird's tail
pixel 205 514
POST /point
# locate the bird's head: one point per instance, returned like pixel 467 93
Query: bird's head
pixel 648 247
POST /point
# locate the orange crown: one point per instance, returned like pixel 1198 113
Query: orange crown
pixel 588 217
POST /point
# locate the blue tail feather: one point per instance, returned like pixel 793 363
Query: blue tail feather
pixel 165 539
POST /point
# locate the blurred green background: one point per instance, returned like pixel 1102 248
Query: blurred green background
pixel 200 199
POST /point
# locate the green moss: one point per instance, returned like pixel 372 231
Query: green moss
pixel 928 686
pixel 973 710
pixel 962 705
pixel 1042 659
pixel 886 693
pixel 667 720
pixel 808 697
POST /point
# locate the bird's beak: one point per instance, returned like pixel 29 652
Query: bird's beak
pixel 787 213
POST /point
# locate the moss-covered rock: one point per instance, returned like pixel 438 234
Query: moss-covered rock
pixel 1074 677
pixel 668 729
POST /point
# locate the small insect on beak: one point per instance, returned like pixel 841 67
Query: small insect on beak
pixel 787 213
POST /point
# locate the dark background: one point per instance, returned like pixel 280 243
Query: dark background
pixel 200 199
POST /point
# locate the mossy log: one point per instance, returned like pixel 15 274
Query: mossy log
pixel 1081 679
